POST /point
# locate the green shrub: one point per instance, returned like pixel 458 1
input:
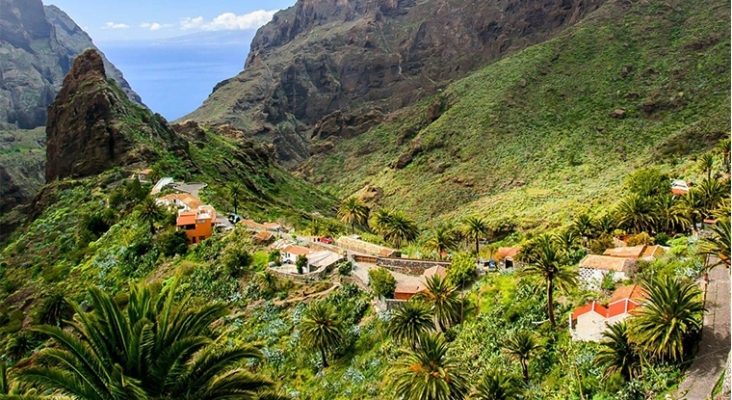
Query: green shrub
pixel 236 260
pixel 345 268
pixel 641 238
pixel 171 242
pixel 275 256
pixel 301 263
pixel 662 239
pixel 382 282
pixel 462 271
pixel 54 309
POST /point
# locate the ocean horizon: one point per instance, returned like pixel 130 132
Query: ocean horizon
pixel 173 77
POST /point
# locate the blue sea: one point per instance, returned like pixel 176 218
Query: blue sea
pixel 173 79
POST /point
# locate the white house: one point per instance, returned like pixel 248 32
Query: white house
pixel 289 254
pixel 593 268
pixel 182 202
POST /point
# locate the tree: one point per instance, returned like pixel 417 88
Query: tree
pixel 706 164
pixel 352 211
pixel 476 228
pixel 671 215
pixel 496 386
pixel 441 239
pixel 617 354
pixel 301 263
pixel 427 372
pixel 382 282
pixel 157 347
pixel 462 270
pixel 672 313
pixel 520 346
pixel 236 259
pixel 380 221
pixel 648 182
pixel 718 245
pixel 711 192
pixel 401 229
pixel 443 300
pixel 321 329
pixel 54 309
pixel 584 227
pixel 234 190
pixel 410 322
pixel 549 265
pixel 604 224
pixel 566 241
pixel 635 213
pixel 691 204
pixel 724 147
pixel 150 212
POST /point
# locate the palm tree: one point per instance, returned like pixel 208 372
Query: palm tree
pixel 672 312
pixel 724 147
pixel 443 300
pixel 321 329
pixel 400 229
pixel 706 164
pixel 441 239
pixel 671 214
pixel 55 309
pixel 234 190
pixel 520 346
pixel 549 265
pixel 149 212
pixel 380 221
pixel 566 241
pixel 691 204
pixel 604 224
pixel 496 386
pixel 476 228
pixel 635 213
pixel 410 321
pixel 156 348
pixel 711 193
pixel 617 353
pixel 427 372
pixel 583 226
pixel 353 211
pixel 718 245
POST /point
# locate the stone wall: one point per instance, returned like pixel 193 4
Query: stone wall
pixel 305 277
pixel 409 266
pixel 359 246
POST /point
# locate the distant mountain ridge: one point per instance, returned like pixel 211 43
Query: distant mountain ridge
pixel 39 44
pixel 344 64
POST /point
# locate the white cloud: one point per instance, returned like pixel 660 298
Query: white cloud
pixel 229 21
pixel 112 25
pixel 154 26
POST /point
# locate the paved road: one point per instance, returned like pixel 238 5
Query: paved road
pixel 191 188
pixel 714 348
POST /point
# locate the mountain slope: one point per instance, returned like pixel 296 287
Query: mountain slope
pixel 38 45
pixel 359 59
pixel 552 130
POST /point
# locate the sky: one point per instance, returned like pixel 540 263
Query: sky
pixel 113 20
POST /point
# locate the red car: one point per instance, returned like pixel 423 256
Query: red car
pixel 326 240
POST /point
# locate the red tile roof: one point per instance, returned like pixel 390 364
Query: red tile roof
pixel 626 252
pixel 679 191
pixel 436 270
pixel 146 171
pixel 297 250
pixel 633 292
pixel 653 251
pixel 623 300
pixel 186 218
pixel 607 263
pixel 504 252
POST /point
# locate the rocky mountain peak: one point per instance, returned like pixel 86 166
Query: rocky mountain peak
pixel 93 126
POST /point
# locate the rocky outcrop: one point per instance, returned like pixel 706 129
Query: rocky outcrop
pixel 322 57
pixel 93 126
pixel 38 45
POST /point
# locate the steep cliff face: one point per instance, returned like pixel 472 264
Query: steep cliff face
pixel 93 126
pixel 357 57
pixel 38 45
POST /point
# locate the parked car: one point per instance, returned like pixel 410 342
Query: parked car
pixel 235 218
pixel 326 240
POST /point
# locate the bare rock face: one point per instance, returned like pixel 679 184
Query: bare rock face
pixel 324 57
pixel 92 126
pixel 38 45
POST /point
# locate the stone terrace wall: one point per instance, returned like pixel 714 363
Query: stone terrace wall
pixel 305 277
pixel 359 246
pixel 409 266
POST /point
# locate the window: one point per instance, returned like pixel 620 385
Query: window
pixel 201 238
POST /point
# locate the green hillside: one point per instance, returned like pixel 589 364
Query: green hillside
pixel 530 138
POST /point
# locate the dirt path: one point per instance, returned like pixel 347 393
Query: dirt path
pixel 317 295
pixel 714 348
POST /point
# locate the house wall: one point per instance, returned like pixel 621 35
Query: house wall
pixel 591 278
pixel 204 230
pixel 409 266
pixel 589 327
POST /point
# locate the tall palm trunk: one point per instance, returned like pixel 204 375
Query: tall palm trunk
pixel 524 370
pixel 325 361
pixel 152 228
pixel 550 301
pixel 477 247
pixel 236 204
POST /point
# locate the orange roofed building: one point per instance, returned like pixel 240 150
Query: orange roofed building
pixel 589 321
pixel 198 224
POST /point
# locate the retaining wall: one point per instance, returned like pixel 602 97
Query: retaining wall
pixel 409 266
